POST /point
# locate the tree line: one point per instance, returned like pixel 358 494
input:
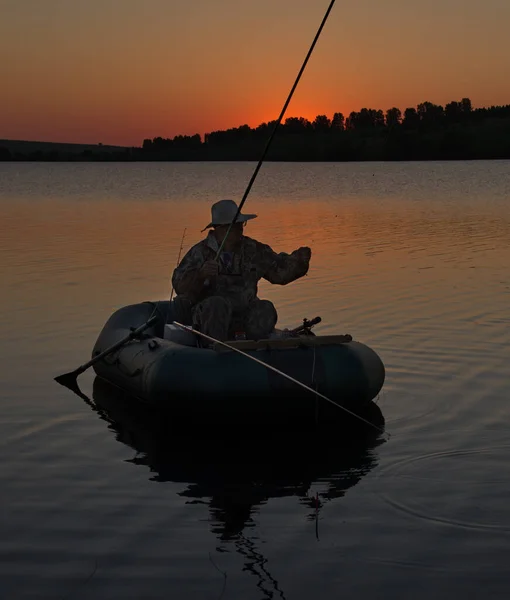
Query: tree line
pixel 426 132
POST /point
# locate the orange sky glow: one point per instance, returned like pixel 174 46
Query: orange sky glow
pixel 119 71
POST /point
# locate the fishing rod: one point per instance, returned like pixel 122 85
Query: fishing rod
pixel 172 292
pixel 271 368
pixel 178 260
pixel 277 124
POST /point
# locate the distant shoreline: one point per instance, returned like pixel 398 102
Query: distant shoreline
pixel 274 161
pixel 428 132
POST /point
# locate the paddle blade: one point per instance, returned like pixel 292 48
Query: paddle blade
pixel 69 381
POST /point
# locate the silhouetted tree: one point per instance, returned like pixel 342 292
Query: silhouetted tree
pixel 431 115
pixel 393 117
pixel 338 122
pixel 321 123
pixel 158 143
pixel 186 141
pixel 466 106
pixel 293 125
pixel 411 118
pixel 453 112
pixel 365 119
pixel 379 119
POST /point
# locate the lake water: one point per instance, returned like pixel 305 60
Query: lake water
pixel 409 258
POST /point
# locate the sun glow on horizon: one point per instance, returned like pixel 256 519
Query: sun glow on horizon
pixel 121 72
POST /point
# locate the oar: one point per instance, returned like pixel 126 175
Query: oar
pixel 69 379
pixel 271 368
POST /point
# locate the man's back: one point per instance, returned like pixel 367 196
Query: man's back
pixel 239 270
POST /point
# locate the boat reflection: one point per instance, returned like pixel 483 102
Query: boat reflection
pixel 237 472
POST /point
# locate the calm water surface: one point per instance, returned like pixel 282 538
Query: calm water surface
pixel 411 259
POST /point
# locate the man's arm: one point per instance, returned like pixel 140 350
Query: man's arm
pixel 284 268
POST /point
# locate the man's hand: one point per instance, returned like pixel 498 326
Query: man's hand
pixel 304 253
pixel 209 269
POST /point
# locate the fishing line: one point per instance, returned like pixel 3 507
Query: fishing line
pixel 271 368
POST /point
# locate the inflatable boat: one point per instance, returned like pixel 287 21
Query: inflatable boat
pixel 166 367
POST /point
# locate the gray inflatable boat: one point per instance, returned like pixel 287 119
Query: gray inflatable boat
pixel 166 368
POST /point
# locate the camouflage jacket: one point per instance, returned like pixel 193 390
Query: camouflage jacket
pixel 239 272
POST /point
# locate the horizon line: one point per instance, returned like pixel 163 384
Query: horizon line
pixel 202 135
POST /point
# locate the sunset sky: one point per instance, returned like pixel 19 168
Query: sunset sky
pixel 119 71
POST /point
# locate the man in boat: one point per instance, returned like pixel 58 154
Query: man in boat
pixel 222 294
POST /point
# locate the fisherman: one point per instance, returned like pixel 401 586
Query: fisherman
pixel 222 294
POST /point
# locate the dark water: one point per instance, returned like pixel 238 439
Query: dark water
pixel 411 259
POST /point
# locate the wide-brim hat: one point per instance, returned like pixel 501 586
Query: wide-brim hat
pixel 223 213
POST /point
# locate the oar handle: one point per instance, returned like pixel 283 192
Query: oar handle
pixel 134 333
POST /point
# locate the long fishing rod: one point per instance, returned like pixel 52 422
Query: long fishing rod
pixel 277 124
pixel 271 368
pixel 172 292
